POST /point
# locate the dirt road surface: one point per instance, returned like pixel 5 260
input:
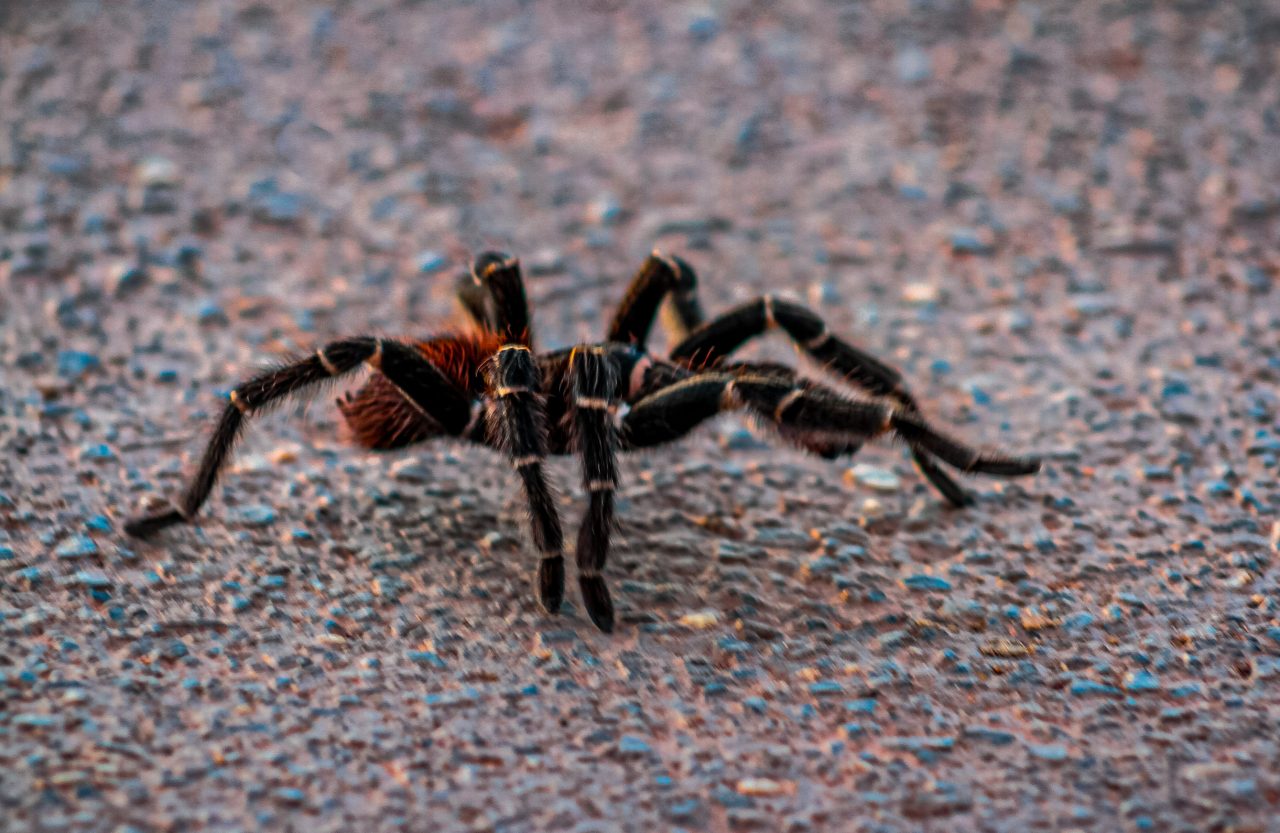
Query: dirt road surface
pixel 1059 219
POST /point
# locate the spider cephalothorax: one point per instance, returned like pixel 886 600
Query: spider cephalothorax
pixel 488 386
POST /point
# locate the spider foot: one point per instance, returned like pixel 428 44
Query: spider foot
pixel 551 583
pixel 143 526
pixel 595 595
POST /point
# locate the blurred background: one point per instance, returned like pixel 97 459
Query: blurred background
pixel 1058 218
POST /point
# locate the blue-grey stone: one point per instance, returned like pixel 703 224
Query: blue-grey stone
pixel 967 242
pixel 865 705
pixel 430 262
pixel 632 745
pixel 72 364
pixel 995 737
pixel 77 546
pixel 1054 752
pixel 1141 682
pixel 926 582
pixel 1084 688
pixel 255 515
pixel 923 743
pixel 913 65
pixel 98 451
pixel 428 658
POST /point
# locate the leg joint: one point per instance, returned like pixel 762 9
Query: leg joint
pixel 328 366
pixel 375 358
pixel 786 402
pixel 799 321
pixel 770 321
pixel 818 341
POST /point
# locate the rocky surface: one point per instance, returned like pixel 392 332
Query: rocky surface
pixel 1060 219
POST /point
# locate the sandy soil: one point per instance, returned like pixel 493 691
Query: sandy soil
pixel 1058 218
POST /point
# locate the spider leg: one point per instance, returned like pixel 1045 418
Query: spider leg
pixel 725 334
pixel 659 276
pixel 594 383
pixel 474 299
pixel 804 410
pixel 673 411
pixel 827 447
pixel 518 423
pixel 824 413
pixel 499 275
pixel 421 383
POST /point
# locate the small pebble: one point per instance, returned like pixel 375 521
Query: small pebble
pixel 77 546
pixel 126 279
pixel 873 477
pixel 969 242
pixel 917 744
pixel 1053 752
pixel 156 170
pixel 411 470
pixel 211 313
pixel 913 65
pixel 1141 682
pixel 1084 688
pixel 701 620
pixel 430 262
pixel 764 786
pixel 72 364
pixel 97 452
pixel 927 582
pixel 428 658
pixel 994 737
pixel 865 705
pixel 290 795
pixel 919 293
pixel 255 515
pixel 630 745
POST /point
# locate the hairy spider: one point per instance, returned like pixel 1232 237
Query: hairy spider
pixel 486 385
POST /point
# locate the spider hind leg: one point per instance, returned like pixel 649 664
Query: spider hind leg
pixel 418 381
pixel 813 416
pixel 711 343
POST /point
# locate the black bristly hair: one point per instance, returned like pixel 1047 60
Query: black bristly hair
pixel 489 386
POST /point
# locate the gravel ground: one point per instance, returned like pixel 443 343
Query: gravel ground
pixel 1058 218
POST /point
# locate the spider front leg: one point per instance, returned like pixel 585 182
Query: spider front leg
pixel 496 277
pixel 423 385
pixel 659 276
pixel 720 337
pixel 518 422
pixel 593 378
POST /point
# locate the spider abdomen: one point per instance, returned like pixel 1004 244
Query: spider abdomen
pixel 379 415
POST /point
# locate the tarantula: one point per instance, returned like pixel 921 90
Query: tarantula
pixel 488 386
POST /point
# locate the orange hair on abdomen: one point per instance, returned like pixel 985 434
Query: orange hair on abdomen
pixel 380 417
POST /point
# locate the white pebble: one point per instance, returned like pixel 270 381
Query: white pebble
pixel 874 477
